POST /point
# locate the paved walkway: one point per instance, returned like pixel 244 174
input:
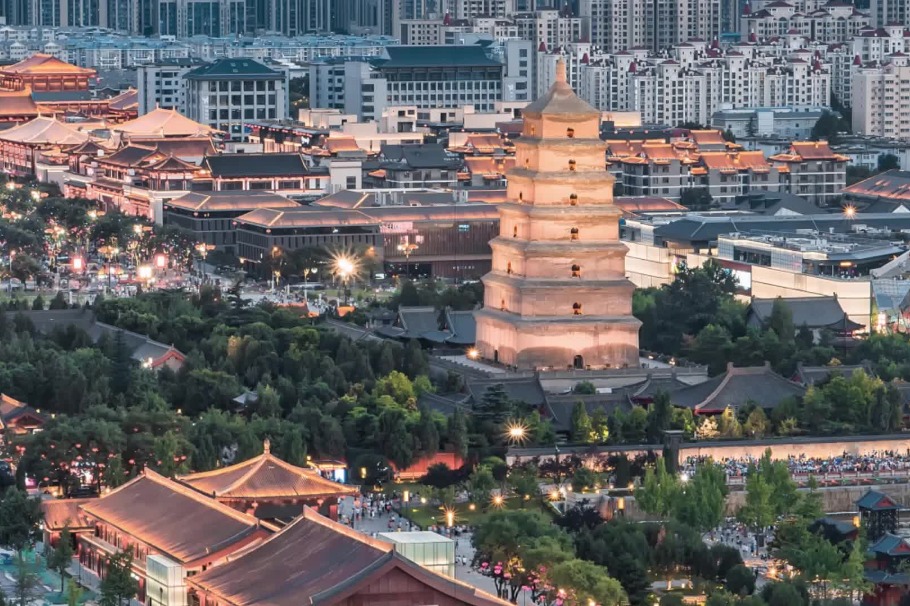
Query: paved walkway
pixel 462 549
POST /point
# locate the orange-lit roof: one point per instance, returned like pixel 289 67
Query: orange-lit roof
pixel 172 518
pixel 707 137
pixel 658 152
pixel 18 103
pixel 44 130
pixel 264 477
pixel 41 63
pixel 162 123
pixel 341 144
pixel 646 204
pixel 125 101
pixel 813 150
pixel 753 160
pixel 484 143
pixel 721 161
pixel 62 513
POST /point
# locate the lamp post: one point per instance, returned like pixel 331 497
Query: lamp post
pixel 407 248
pixel 203 249
pixel 307 271
pixel 345 267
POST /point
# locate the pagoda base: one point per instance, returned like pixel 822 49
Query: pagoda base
pixel 557 342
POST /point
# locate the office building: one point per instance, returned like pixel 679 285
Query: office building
pixel 162 85
pixel 227 92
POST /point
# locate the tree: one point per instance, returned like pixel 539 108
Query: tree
pixel 660 417
pixel 25 582
pixel 696 198
pixel 60 556
pixel 118 585
pixel 729 136
pixel 581 424
pixel 38 303
pixel 524 482
pixel 581 583
pixel 828 127
pixel 702 500
pixel 756 425
pixel 888 162
pixel 659 491
pixel 457 432
pixel 781 321
pixel 752 126
pixel 19 519
pixel 502 539
pixel 439 476
pixel 758 510
pixel 73 593
pixel 584 388
pixel 740 580
pixel 480 484
pixel 583 480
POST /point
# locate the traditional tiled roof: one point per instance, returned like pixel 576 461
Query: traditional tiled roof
pixel 62 513
pixel 527 390
pixel 891 545
pixel 810 375
pixel 127 100
pixel 874 500
pixel 814 312
pixel 256 165
pixel 646 204
pixel 736 388
pixel 12 409
pixel 168 516
pixel 162 123
pixel 264 477
pixel 417 156
pixel 222 201
pixel 707 137
pixel 890 185
pixel 17 103
pixel 44 131
pixel 348 199
pixel 41 63
pixel 341 144
pixel 319 562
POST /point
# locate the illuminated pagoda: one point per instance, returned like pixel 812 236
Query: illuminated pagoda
pixel 45 73
pixel 269 488
pixel 558 295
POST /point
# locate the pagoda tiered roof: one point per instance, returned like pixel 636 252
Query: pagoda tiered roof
pixel 264 477
pixel 41 63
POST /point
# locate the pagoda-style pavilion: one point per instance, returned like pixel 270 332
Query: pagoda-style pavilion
pixel 45 73
pixel 22 146
pixel 557 295
pixel 17 417
pixel 269 488
pixel 878 513
pixel 316 561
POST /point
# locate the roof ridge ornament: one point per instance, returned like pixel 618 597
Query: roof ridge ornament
pixel 561 70
pixel 266 446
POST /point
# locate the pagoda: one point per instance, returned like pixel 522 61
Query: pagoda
pixel 557 295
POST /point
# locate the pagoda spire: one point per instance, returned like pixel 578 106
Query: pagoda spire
pixel 561 70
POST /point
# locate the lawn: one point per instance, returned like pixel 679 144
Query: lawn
pixel 426 515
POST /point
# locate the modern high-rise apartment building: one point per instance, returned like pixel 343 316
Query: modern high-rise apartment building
pixel 885 12
pixel 618 25
pixel 881 100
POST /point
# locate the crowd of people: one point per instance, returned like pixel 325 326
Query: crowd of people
pixel 846 463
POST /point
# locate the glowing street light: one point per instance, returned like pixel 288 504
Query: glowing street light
pixel 450 517
pixel 849 211
pixel 516 432
pixel 473 353
pixel 345 268
pixel 498 500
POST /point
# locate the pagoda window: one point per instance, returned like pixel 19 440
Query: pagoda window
pixel 527 163
pixel 514 231
pixel 509 268
pixel 576 309
pixel 570 133
pixel 576 271
pixel 573 199
pixel 502 305
pixel 532 130
pixel 573 233
pixel 521 196
pixel 572 165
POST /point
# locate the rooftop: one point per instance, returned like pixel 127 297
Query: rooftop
pixel 264 477
pixel 234 69
pixel 736 388
pixel 180 522
pixel 437 56
pixel 221 201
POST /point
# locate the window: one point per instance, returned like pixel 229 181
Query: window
pixel 350 182
pixel 576 309
pixel 576 271
pixel 573 199
pixel 502 305
pixel 573 233
pixel 570 133
pixel 509 268
pixel 572 165
pixel 514 231
pixel 521 196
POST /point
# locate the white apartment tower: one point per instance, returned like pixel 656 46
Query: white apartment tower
pixel 881 100
pixel 618 25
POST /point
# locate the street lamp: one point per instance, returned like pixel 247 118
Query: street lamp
pixel 203 249
pixel 345 267
pixel 407 247
pixel 516 432
pixel 849 211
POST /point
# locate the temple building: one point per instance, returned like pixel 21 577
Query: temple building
pixel 167 526
pixel 557 295
pixel 268 488
pixel 45 73
pixel 37 148
pixel 317 561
